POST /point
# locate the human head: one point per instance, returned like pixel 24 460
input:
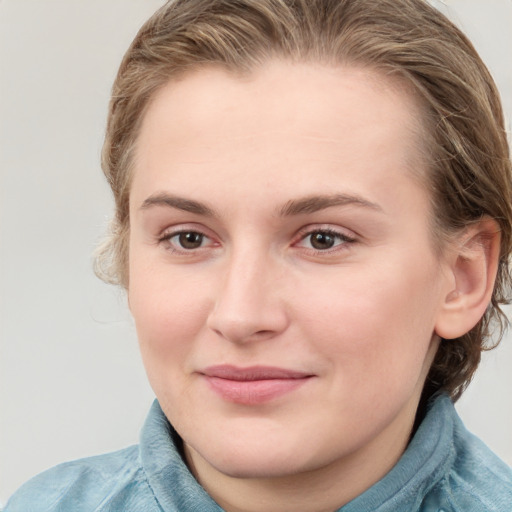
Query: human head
pixel 465 144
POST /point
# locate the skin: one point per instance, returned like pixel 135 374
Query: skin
pixel 233 158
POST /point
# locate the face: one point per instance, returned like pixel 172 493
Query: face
pixel 281 274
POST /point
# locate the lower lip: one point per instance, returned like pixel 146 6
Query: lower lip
pixel 253 392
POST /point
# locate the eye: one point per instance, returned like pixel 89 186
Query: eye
pixel 324 239
pixel 321 240
pixel 184 241
pixel 189 239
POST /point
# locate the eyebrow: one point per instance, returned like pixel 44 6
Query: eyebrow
pixel 179 203
pixel 311 204
pixel 305 205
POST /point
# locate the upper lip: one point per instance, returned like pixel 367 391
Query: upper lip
pixel 251 373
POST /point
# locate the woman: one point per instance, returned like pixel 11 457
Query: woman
pixel 313 226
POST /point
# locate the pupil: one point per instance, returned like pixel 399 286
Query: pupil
pixel 191 240
pixel 322 240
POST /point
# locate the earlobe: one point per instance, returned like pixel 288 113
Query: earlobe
pixel 473 268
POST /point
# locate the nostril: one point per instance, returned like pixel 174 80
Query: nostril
pixel 244 329
pixel 262 334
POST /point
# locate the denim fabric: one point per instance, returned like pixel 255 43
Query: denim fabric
pixel 444 469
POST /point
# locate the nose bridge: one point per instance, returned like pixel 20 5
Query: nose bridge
pixel 247 303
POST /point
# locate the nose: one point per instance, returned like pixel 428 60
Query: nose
pixel 249 303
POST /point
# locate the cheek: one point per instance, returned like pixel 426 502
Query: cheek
pixel 369 323
pixel 169 314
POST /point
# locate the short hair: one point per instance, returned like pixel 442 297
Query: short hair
pixel 466 148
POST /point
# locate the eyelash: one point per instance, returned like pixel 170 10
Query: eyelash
pixel 173 247
pixel 341 240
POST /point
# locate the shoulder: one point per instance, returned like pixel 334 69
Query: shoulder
pixel 110 482
pixel 478 480
pixel 479 476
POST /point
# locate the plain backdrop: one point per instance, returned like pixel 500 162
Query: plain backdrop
pixel 71 383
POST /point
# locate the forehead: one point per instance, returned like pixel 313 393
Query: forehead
pixel 290 91
pixel 284 116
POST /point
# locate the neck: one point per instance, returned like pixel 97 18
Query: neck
pixel 323 489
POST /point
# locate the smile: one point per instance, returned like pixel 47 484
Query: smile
pixel 254 385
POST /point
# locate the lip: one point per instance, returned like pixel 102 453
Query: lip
pixel 253 385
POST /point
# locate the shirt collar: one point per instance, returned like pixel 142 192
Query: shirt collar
pixel 424 463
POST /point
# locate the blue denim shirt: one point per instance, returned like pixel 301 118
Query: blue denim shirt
pixel 444 469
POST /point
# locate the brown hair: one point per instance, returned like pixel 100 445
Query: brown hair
pixel 468 156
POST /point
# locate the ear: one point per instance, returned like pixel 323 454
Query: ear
pixel 473 264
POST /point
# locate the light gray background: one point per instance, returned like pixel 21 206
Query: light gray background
pixel 71 383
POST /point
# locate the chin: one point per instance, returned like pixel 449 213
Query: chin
pixel 261 467
pixel 270 460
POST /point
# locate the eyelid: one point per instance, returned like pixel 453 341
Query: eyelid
pixel 186 227
pixel 347 237
pixel 167 234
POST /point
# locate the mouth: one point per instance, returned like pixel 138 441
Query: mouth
pixel 253 385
